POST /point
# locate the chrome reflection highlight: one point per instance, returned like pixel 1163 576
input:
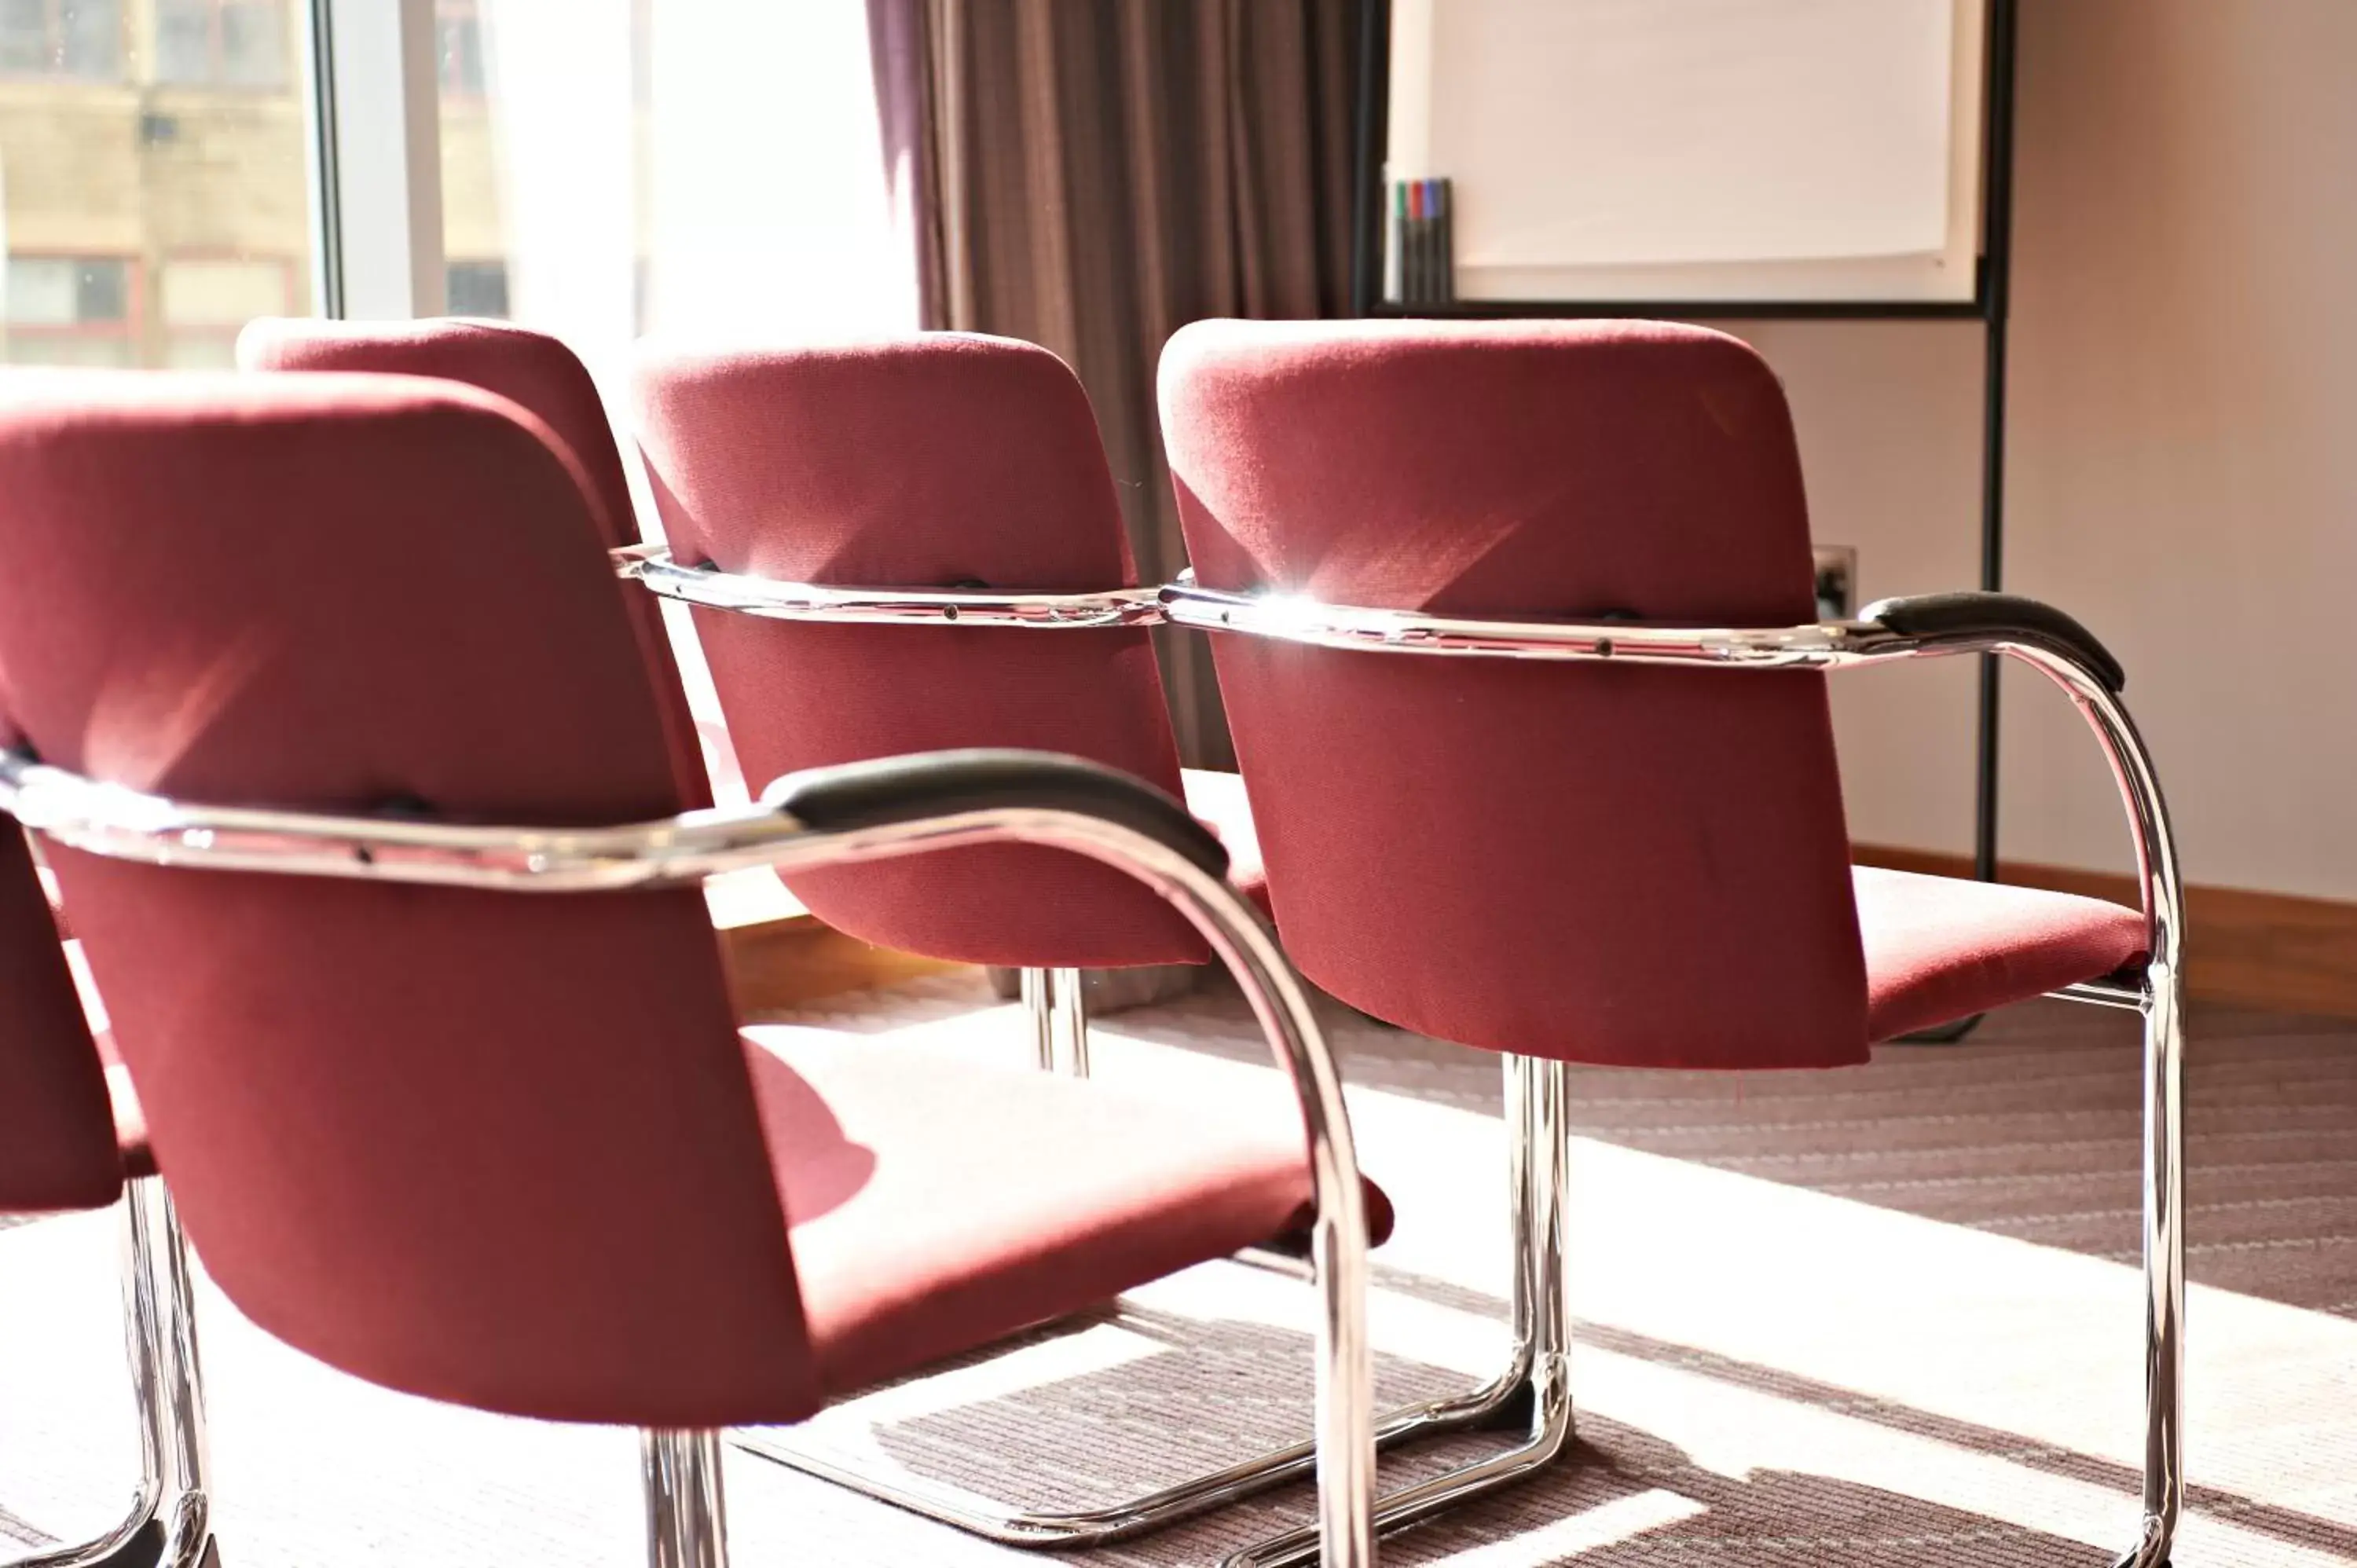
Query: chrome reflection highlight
pixel 687 1525
pixel 169 1524
pixel 1060 1024
pixel 651 567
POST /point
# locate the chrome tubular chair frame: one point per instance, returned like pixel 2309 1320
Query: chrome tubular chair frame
pixel 1052 995
pixel 1884 632
pixel 1052 999
pixel 169 1524
pixel 651 567
pixel 681 1469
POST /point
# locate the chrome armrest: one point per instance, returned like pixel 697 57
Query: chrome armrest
pixel 1919 626
pixel 826 816
pixel 1996 619
pixel 651 567
pixel 806 818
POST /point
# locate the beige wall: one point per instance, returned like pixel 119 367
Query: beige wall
pixel 2183 447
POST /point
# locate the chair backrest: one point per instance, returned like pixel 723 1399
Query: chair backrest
pixel 1607 864
pixel 57 1129
pixel 537 372
pixel 496 1148
pixel 938 460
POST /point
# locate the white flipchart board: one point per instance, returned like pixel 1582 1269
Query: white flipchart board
pixel 1763 150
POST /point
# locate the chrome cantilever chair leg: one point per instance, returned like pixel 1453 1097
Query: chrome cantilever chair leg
pixel 2164 1265
pixel 687 1520
pixel 1059 1027
pixel 169 1524
pixel 1538 1132
pixel 1535 1379
pixel 1538 1146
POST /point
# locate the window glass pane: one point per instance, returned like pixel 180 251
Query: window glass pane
pixel 41 291
pixel 61 38
pixel 458 44
pixel 253 52
pixel 184 40
pixel 102 290
pixel 599 149
pixel 93 38
pixel 478 288
pixel 145 229
pixel 24 47
pixel 611 168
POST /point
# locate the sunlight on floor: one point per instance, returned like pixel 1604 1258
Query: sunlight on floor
pixel 1746 1346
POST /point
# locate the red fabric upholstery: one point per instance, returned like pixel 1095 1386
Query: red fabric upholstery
pixel 539 373
pixel 1939 948
pixel 1548 859
pixel 378 593
pixel 503 1150
pixel 922 1228
pixel 58 1147
pixel 938 460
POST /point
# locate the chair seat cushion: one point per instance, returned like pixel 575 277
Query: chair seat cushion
pixel 1218 801
pixel 939 1203
pixel 1941 948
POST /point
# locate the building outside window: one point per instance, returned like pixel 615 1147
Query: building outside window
pixel 77 39
pixel 142 222
pixel 221 43
pixel 205 299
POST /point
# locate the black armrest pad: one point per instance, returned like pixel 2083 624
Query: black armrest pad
pixel 942 783
pixel 2008 614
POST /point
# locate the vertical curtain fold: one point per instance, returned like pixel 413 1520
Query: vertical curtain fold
pixel 1092 175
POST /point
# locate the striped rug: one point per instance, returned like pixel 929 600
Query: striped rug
pixel 1879 1316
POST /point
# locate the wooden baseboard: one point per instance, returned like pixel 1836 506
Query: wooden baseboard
pixel 2255 949
pixel 777 964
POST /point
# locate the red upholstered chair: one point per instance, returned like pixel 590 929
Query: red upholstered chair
pixel 832 512
pixel 71 1137
pixel 1514 625
pixel 459 1107
pixel 540 375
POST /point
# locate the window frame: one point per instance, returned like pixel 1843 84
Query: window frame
pixel 372 97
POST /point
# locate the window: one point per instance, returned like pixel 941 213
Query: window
pixel 144 230
pixel 220 43
pixel 82 40
pixel 69 310
pixel 458 47
pixel 478 288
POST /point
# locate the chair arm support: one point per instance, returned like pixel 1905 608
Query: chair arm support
pixel 2009 616
pixel 937 784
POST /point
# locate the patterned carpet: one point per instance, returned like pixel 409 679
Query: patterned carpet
pixel 1864 1318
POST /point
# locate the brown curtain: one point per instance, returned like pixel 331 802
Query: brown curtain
pixel 1092 175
